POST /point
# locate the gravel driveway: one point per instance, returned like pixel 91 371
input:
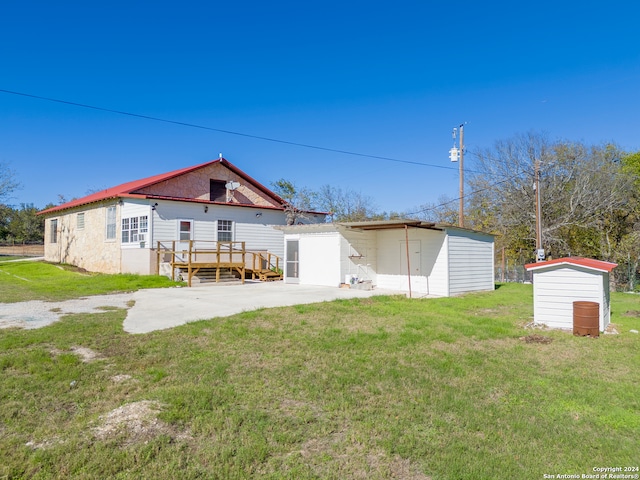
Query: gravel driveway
pixel 36 313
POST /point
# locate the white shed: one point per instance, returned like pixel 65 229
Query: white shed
pixel 560 282
pixel 417 257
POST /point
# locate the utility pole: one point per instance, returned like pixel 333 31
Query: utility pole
pixel 536 187
pixel 456 154
pixel 461 209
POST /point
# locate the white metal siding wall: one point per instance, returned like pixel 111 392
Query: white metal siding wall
pixel 320 259
pixel 433 274
pixel 135 208
pixel 470 262
pixel 256 231
pixel 605 308
pixel 261 237
pixel 555 289
pixel 165 217
pixel 358 255
pixel 436 255
pixel 138 260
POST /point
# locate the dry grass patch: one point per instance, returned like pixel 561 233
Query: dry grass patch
pixel 341 452
pixel 297 408
pixel 534 338
pixel 86 354
pixel 44 444
pixel 135 422
pixel 120 378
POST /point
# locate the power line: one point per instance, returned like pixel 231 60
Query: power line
pixel 457 199
pixel 229 132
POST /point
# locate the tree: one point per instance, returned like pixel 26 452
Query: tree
pixel 445 211
pixel 343 205
pixel 627 252
pixel 5 218
pixel 25 225
pixel 583 189
pixel 346 205
pixel 8 183
pixel 298 200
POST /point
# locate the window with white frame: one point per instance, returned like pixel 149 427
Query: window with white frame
pixel 53 234
pixel 225 230
pixel 135 229
pixel 80 218
pixel 111 223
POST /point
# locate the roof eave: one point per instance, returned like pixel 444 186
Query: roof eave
pixel 601 266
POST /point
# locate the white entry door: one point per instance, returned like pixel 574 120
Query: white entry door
pixel 292 261
pixel 415 257
pixel 185 234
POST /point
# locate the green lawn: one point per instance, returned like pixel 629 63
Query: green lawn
pixel 378 388
pixel 22 281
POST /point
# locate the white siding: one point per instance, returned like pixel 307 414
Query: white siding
pixel 135 208
pixel 320 259
pixel 605 308
pixel 431 276
pixel 261 237
pixel 330 253
pixel 255 230
pixel 470 261
pixel 138 260
pixel 557 287
pixel 358 254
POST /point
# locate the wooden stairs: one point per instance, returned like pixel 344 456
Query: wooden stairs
pixel 268 276
pixel 208 275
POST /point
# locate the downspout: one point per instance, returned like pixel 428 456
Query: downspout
pixel 406 238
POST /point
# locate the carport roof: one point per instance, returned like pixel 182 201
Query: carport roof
pixel 388 224
pixel 372 225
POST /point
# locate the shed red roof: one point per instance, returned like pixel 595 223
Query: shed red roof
pixel 579 261
pixel 129 189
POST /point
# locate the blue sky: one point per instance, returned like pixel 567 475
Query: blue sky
pixel 388 79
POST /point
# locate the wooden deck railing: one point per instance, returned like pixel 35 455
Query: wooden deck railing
pixel 194 255
pixel 265 266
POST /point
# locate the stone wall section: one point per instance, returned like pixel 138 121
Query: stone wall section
pixel 85 247
pixel 196 185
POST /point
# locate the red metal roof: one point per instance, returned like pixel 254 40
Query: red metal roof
pixel 579 261
pixel 128 189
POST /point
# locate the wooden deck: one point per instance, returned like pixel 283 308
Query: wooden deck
pixel 194 256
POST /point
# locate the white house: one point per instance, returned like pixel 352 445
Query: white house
pixel 412 256
pixel 118 229
pixel 560 282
